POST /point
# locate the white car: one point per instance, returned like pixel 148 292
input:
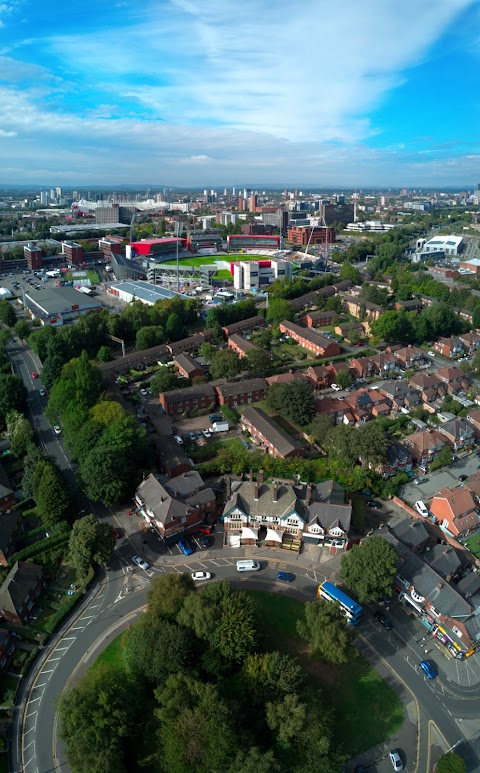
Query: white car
pixel 207 433
pixel 179 440
pixel 199 576
pixel 431 354
pixel 139 561
pixel 336 388
pixel 42 392
pixel 396 760
pixel 144 392
pixel 57 430
pixel 421 509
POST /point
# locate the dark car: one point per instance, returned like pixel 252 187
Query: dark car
pixel 174 430
pixel 383 619
pixel 203 541
pixel 428 669
pixel 186 438
pixel 214 417
pixel 462 477
pixel 285 576
pixel 375 505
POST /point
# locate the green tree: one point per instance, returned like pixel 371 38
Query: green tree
pixel 105 475
pixel 38 340
pixel 149 336
pixel 450 763
pixel 96 718
pixel 104 354
pixel 164 380
pixel 106 411
pixel 166 594
pixel 326 632
pixel 286 718
pixel 321 428
pixel 347 271
pixel 225 364
pixel 444 459
pixel 155 648
pixel 369 569
pixel 258 361
pixel 13 395
pixel 20 432
pixel 270 675
pixel 52 370
pixel 33 457
pixel 263 338
pixel 207 351
pixel 51 495
pixel 90 542
pixel 87 379
pixel 7 313
pixel 255 761
pixel 344 379
pixel 297 402
pixel 174 328
pixel 5 364
pixel 370 444
pixel 278 310
pixel 22 329
pixel 195 727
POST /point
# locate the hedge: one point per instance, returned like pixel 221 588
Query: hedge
pixel 29 660
pixel 54 621
pixel 43 546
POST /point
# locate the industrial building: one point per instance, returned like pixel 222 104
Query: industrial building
pixel 449 245
pixel 140 291
pixel 54 305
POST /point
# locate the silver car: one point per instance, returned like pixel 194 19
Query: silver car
pixel 141 562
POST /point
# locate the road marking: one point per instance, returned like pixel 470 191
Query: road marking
pixel 51 659
pixel 32 700
pixel 78 628
pixel 32 714
pixel 39 685
pixel 214 562
pixel 189 567
pixel 203 565
pixel 29 761
pixel 29 731
pixel 49 672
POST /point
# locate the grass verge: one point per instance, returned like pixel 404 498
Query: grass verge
pixel 367 710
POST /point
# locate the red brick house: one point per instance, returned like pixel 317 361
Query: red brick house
pixel 409 356
pixel 338 409
pixel 266 433
pixel 188 367
pixel 234 393
pixel 286 378
pixel 449 347
pixel 459 434
pixel 177 506
pixel 362 367
pixel 454 378
pixel 192 343
pixel 309 339
pixel 470 341
pixel 456 511
pixel 200 397
pixel 19 592
pixel 245 325
pixel 398 459
pixel 319 376
pixel 319 318
pixel 425 446
pixel 241 346
pixel 384 363
pixel 473 418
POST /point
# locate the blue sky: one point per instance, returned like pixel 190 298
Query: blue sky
pixel 186 93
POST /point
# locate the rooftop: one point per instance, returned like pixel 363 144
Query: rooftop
pixel 144 291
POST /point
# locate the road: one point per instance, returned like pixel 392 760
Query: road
pixel 120 597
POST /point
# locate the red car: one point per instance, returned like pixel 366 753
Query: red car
pixel 34 374
pixel 205 529
pixel 117 534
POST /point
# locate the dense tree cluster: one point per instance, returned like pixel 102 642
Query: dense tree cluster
pixel 90 542
pixel 370 569
pixel 44 482
pixel 226 314
pixel 109 446
pixel 293 400
pixel 219 701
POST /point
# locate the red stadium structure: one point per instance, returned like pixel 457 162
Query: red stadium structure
pixel 157 246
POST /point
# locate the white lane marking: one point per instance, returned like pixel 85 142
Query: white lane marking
pixel 49 672
pixel 189 567
pixel 32 700
pixel 203 565
pixel 50 659
pixel 39 685
pixel 78 628
pixel 214 562
pixel 32 714
pixel 29 731
pixel 69 638
pixel 29 761
pixel 86 617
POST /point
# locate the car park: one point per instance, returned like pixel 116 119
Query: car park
pixel 428 669
pixel 383 619
pixel 200 576
pixel 141 562
pixel 185 547
pixel 421 508
pixel 396 760
pixel 375 505
pixel 57 430
pixel 285 576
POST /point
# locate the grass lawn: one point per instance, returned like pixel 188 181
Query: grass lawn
pixel 473 544
pixel 367 710
pixel 112 655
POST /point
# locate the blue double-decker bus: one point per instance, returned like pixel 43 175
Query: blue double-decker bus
pixel 348 607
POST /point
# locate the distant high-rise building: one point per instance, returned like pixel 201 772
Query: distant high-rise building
pixel 44 198
pixel 58 192
pixel 252 203
pixel 234 191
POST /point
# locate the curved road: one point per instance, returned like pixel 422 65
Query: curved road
pixel 120 596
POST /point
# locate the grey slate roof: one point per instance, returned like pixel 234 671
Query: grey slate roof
pixel 5 485
pixel 246 385
pixel 188 363
pixel 20 580
pixel 8 526
pixel 185 484
pixel 411 533
pixel 445 559
pixel 273 432
pixel 196 391
pixel 288 500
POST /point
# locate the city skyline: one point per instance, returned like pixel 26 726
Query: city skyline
pixel 188 95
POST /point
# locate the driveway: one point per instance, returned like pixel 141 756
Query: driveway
pixel 438 480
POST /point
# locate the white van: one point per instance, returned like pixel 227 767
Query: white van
pixel 248 566
pixel 421 508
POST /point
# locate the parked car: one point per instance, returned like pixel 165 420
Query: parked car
pixel 185 547
pixel 462 477
pixel 431 354
pixel 174 430
pixel 57 430
pixel 396 760
pixel 144 392
pixel 336 388
pixel 383 619
pixel 117 533
pixel 179 440
pixel 42 392
pixel 203 541
pixel 206 529
pixel 139 561
pixel 199 434
pixel 285 576
pixel 192 436
pixel 375 505
pixel 428 669
pixel 200 576
pixel 34 374
pixel 207 433
pixel 215 417
pixel 186 438
pixel 421 508
pixel 421 479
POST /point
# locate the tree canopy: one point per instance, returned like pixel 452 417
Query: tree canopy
pixel 90 542
pixel 326 631
pixel 369 569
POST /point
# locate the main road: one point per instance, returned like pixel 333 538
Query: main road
pixel 119 597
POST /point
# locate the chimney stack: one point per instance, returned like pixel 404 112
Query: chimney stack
pixel 308 497
pixel 229 488
pixel 275 491
pixel 250 477
pixel 260 476
pixel 257 491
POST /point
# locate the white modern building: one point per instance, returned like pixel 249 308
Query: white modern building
pixel 252 274
pixel 449 245
pixel 140 291
pixel 371 226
